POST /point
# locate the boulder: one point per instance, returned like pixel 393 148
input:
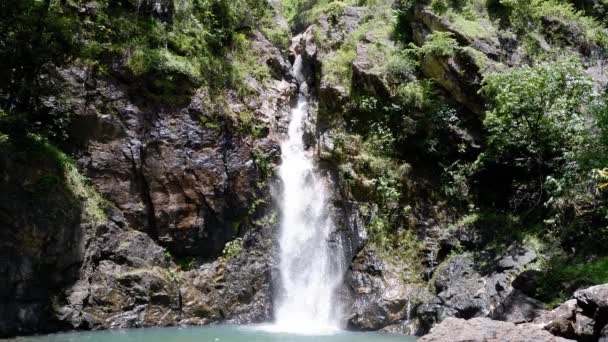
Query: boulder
pixel 560 321
pixel 381 299
pixel 465 291
pixel 487 330
pixel 593 300
pixel 583 318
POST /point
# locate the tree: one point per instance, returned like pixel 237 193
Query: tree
pixel 537 112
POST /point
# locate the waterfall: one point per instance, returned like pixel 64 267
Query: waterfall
pixel 310 268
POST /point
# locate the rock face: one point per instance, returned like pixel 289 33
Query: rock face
pixel 380 296
pixel 180 181
pixel 487 330
pixel 41 231
pixel 466 291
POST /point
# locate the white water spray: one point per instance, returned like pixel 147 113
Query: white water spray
pixel 310 270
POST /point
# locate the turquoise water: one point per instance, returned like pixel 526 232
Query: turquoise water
pixel 224 333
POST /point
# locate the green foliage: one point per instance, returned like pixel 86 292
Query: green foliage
pixel 291 9
pixel 419 94
pixel 537 110
pixel 338 66
pixel 541 121
pixel 397 245
pixel 34 33
pixel 93 204
pixel 186 264
pixel 560 276
pixel 401 67
pixel 232 249
pixel 64 174
pixel 526 16
pixel 246 63
pixel 440 6
pixel 198 43
pixel 264 163
pixel 334 10
pixel 439 44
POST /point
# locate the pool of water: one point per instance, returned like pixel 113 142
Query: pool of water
pixel 225 333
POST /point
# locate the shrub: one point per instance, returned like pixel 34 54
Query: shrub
pixel 526 16
pixel 440 44
pixel 537 110
pixel 232 249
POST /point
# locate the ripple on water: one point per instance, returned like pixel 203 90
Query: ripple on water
pixel 220 333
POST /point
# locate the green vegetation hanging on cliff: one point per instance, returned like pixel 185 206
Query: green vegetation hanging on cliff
pixel 168 48
pixel 468 117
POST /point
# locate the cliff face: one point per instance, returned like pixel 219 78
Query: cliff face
pixel 157 208
pixel 404 126
pixel 113 235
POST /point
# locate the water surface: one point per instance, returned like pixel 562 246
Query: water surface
pixel 224 333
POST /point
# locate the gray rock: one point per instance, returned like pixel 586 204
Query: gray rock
pixel 584 327
pixel 179 182
pixel 487 330
pixel 365 80
pixel 583 318
pixel 465 291
pixel 519 308
pixel 560 321
pixel 604 334
pixel 381 297
pixel 593 299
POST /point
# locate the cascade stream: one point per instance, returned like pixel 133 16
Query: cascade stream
pixel 310 269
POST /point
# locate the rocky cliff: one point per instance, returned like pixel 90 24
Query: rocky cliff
pixel 138 181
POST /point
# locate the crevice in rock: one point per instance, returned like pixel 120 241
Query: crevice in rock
pixel 144 190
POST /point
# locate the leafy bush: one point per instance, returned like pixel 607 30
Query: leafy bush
pixel 526 16
pixel 560 276
pixel 440 44
pixel 537 110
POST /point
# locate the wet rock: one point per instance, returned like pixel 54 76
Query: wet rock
pixel 485 329
pixel 380 296
pixel 42 234
pixel 304 45
pixel 180 182
pixel 519 308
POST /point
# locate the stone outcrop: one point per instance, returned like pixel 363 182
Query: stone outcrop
pixel 464 290
pixel 41 232
pixel 487 330
pixel 180 182
pixel 381 299
pixel 583 318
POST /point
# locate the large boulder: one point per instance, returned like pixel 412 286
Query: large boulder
pixel 487 330
pixel 464 290
pixel 583 318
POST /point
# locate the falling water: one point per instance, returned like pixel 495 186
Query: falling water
pixel 310 270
